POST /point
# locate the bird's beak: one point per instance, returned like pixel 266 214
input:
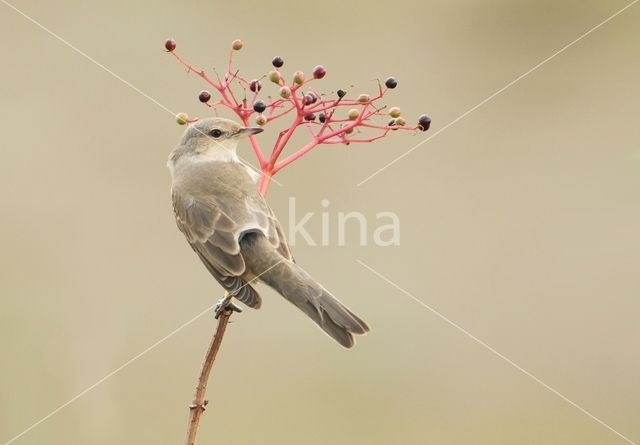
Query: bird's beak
pixel 247 131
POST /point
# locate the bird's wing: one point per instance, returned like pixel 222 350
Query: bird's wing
pixel 213 234
pixel 214 224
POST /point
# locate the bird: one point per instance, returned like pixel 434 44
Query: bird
pixel 234 232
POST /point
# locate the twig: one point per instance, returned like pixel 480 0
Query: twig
pixel 199 403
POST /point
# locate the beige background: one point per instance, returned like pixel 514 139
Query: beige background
pixel 519 223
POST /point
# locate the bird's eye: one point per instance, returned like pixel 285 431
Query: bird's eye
pixel 216 133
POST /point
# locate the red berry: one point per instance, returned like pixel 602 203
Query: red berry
pixel 204 96
pixel 255 85
pixel 319 72
pixel 310 98
pixel 309 117
pixel 170 45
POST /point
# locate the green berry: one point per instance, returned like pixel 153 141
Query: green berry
pixel 394 112
pixel 298 77
pixel 285 92
pixel 182 118
pixel 261 119
pixel 274 76
pixel 353 114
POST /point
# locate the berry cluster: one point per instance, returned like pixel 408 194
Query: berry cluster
pixel 331 118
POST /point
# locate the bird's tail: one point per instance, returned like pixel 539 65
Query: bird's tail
pixel 293 283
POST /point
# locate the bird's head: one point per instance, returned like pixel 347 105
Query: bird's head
pixel 213 137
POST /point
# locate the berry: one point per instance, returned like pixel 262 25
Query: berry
pixel 204 96
pixel 298 77
pixel 274 76
pixel 322 117
pixel 170 45
pixel 259 106
pixel 319 72
pixel 310 98
pixel 349 130
pixel 309 117
pixel 425 122
pixel 182 118
pixel 255 85
pixel 261 119
pixel 341 93
pixel 391 83
pixel 285 92
pixel 391 122
pixel 364 98
pixel 236 45
pixel 277 62
pixel 353 114
pixel 394 112
pixel 400 121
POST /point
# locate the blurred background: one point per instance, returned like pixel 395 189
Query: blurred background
pixel 520 223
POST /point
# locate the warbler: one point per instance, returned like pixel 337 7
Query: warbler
pixel 232 229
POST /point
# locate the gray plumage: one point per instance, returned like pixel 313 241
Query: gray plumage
pixel 234 232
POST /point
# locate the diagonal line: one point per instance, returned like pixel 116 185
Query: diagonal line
pixel 120 78
pixel 498 354
pixel 500 91
pixel 128 362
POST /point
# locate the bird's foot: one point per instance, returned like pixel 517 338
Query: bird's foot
pixel 226 305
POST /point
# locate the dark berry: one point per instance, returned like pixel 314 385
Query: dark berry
pixel 319 72
pixel 309 117
pixel 259 106
pixel 310 98
pixel 322 117
pixel 341 93
pixel 170 45
pixel 255 85
pixel 277 62
pixel 425 122
pixel 204 96
pixel 391 83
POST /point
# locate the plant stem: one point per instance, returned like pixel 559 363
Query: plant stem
pixel 199 403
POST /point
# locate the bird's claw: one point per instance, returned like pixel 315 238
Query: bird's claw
pixel 226 305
